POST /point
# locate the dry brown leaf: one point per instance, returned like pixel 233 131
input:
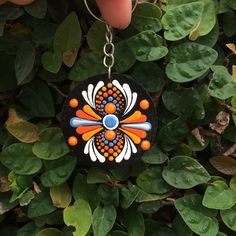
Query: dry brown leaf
pixel 234 72
pixel 36 187
pixel 193 35
pixel 69 57
pixel 221 122
pixel 196 133
pixel 4 184
pixel 224 164
pixel 232 47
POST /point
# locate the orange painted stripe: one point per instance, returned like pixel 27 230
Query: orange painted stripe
pixel 134 137
pixel 85 129
pixel 138 132
pixel 83 115
pixel 87 109
pixel 135 117
pixel 90 134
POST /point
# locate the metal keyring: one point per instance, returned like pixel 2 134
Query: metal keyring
pixel 97 18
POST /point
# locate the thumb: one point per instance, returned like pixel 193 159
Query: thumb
pixel 116 13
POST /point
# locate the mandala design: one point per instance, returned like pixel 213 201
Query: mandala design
pixel 110 123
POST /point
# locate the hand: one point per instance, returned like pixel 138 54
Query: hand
pixel 18 2
pixel 116 13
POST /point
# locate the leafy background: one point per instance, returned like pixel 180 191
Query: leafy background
pixel 183 53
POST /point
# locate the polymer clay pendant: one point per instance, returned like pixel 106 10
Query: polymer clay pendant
pixel 109 122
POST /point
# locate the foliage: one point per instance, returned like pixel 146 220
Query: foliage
pixel 183 52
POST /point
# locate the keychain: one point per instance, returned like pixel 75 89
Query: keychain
pixel 109 120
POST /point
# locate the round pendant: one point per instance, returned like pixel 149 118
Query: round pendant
pixel 109 122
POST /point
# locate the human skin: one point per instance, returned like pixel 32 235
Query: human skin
pixel 116 13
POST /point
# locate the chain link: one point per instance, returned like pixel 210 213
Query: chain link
pixel 109 50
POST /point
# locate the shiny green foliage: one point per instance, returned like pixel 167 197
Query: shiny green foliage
pixel 183 53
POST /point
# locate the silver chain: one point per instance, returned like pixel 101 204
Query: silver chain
pixel 109 50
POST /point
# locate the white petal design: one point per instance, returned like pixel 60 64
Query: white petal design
pixel 100 157
pixel 90 95
pixel 132 103
pixel 86 98
pixel 143 126
pixel 91 149
pixel 130 98
pixel 98 86
pixel 127 150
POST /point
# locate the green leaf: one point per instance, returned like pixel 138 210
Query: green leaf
pixel 222 85
pixel 61 195
pixel 37 9
pixel 178 22
pixel 97 175
pixel 128 195
pixel 51 144
pixel 33 101
pixel 150 76
pixel 90 64
pixel 219 196
pixel 180 227
pixel 82 190
pixel 20 158
pixel 103 220
pixel 24 61
pixel 26 198
pixel 68 34
pixel 154 156
pixel 134 222
pixel 208 16
pixel 50 232
pixel 172 134
pixel 124 58
pixel 118 233
pixel 149 207
pixel 52 61
pixel 189 61
pixel 147 17
pixel 5 204
pixel 148 197
pixel 199 219
pixel 29 229
pixel 164 231
pixel 58 171
pixel 40 205
pixel 232 183
pixel 229 217
pixel 80 216
pixel 96 36
pixel 7 71
pixel 151 181
pixel 147 46
pixel 229 21
pixel 184 102
pixel 184 172
pixel 108 195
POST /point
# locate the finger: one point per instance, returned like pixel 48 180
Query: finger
pixel 21 2
pixel 116 13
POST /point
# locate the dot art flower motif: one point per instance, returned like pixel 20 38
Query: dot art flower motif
pixel 111 121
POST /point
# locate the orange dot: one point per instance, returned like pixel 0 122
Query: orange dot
pixel 110 108
pixel 119 151
pixel 145 145
pixel 109 85
pixel 106 148
pixel 110 150
pixel 102 144
pixel 100 92
pixel 104 89
pixel 114 95
pixel 111 158
pixel 144 104
pixel 106 154
pixel 72 141
pixel 118 91
pixel 101 98
pixel 116 148
pixel 97 96
pixel 105 95
pixel 110 135
pixel 115 154
pixel 110 92
pixel 74 102
pixel 114 88
pixel 102 150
